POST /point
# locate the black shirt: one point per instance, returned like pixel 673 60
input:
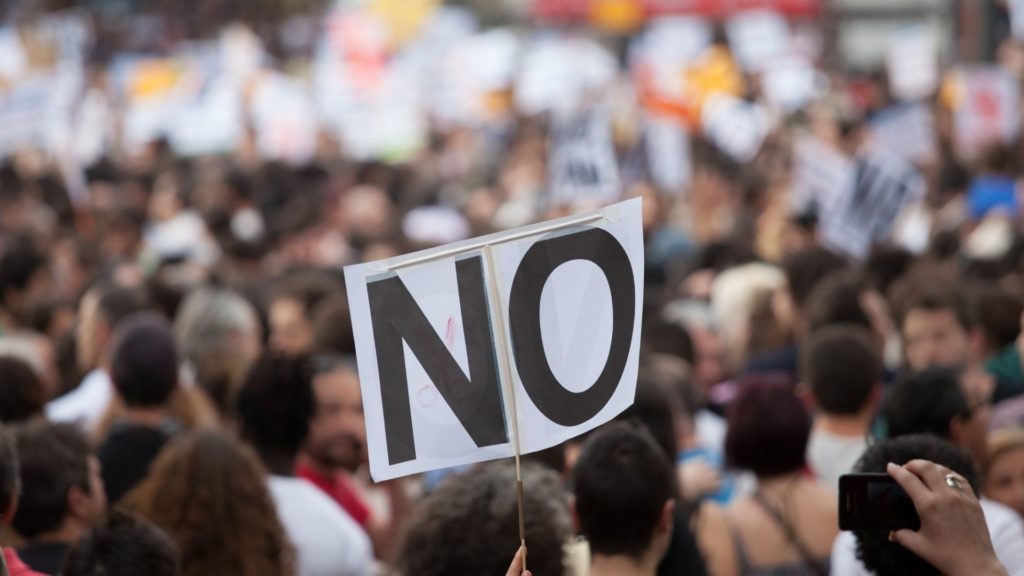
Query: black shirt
pixel 46 558
pixel 126 455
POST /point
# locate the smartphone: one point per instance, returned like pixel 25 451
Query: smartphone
pixel 875 502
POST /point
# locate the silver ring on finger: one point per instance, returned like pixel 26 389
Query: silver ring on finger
pixel 955 482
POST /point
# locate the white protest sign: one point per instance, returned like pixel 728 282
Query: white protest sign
pixel 866 211
pixel 907 130
pixel 913 63
pixel 985 109
pixel 735 126
pixel 558 73
pixel 757 36
pixel 820 174
pixel 789 83
pixel 1016 18
pixel 535 330
pixel 284 118
pixel 583 164
pixel 668 153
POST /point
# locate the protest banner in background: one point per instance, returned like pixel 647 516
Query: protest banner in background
pixel 985 108
pixel 820 174
pixel 867 208
pixel 913 63
pixel 583 166
pixel 668 152
pixel 907 130
pixel 284 119
pixel 757 37
pixel 535 330
pixel 735 126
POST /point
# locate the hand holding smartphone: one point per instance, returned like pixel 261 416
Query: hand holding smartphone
pixel 875 502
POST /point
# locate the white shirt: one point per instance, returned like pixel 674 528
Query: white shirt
pixel 831 456
pixel 86 404
pixel 326 539
pixel 1004 526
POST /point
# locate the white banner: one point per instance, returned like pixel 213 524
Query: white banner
pixel 913 63
pixel 582 165
pixel 558 304
pixel 907 130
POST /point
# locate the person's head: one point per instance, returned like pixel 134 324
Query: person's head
pixel 805 268
pixel 708 359
pixel 22 395
pixel 623 494
pixel 997 313
pixel 337 433
pixel 123 545
pixel 933 322
pixel 332 326
pixel 880 555
pixel 39 352
pixel 1003 471
pixel 101 309
pixel 61 486
pixel 478 507
pixel 768 429
pixel 734 296
pixel 23 275
pixel 843 370
pixel 942 402
pixel 275 405
pixel 291 311
pixel 144 361
pixel 840 298
pixel 9 476
pixel 218 332
pixel 207 492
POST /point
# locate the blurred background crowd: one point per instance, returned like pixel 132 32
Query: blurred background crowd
pixel 834 250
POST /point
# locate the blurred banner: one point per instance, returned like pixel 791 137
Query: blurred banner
pixel 625 11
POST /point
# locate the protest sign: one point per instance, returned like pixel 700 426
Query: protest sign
pixel 866 210
pixel 284 119
pixel 907 130
pixel 534 330
pixel 820 174
pixel 1016 18
pixel 668 152
pixel 735 126
pixel 985 109
pixel 582 164
pixel 757 36
pixel 913 63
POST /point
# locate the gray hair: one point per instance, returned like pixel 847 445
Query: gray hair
pixel 207 319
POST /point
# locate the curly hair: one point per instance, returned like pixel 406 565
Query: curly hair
pixel 276 403
pixel 469 525
pixel 206 490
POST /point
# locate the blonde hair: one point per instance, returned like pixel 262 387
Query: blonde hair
pixel 1000 443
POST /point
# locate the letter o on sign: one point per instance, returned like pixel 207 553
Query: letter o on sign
pixel 558 404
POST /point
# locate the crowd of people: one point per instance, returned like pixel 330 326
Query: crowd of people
pixel 179 393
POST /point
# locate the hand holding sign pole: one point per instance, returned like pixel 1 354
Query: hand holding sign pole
pixel 535 329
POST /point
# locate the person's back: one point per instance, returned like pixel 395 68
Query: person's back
pixel 275 405
pixel 788 525
pixel 208 493
pixel 144 369
pixel 843 371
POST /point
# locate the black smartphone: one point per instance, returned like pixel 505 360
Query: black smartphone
pixel 875 502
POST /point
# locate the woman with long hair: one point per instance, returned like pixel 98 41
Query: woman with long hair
pixel 207 491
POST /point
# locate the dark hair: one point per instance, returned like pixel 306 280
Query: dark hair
pixel 621 481
pixel 332 326
pixel 276 402
pixel 932 291
pixel 116 303
pixel 886 264
pixel 804 270
pixel 309 287
pixel 22 395
pixel 842 367
pixel 997 312
pixel 144 364
pixel 18 264
pixel 652 408
pixel 8 468
pixel 924 403
pixel 124 545
pixel 54 459
pixel 464 526
pixel 879 555
pixel 768 428
pixel 662 337
pixel 837 300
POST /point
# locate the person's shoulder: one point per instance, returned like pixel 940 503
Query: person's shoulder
pixel 1000 517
